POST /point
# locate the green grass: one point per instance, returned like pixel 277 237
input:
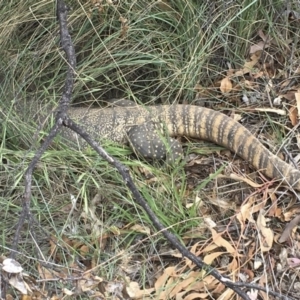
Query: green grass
pixel 166 51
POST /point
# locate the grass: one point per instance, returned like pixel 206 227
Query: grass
pixel 148 51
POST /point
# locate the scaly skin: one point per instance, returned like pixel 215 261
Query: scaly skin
pixel 180 120
pixel 189 121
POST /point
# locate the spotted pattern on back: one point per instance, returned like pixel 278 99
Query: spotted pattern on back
pixel 147 143
pixel 180 120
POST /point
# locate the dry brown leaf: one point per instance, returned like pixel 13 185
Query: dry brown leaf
pixel 221 203
pixel 248 65
pixel 16 281
pixel 50 274
pixel 196 296
pixel 184 284
pixel 245 213
pixel 208 283
pixel 249 273
pixel 226 85
pixel 140 228
pixel 290 213
pixel 88 282
pixel 258 47
pixel 264 37
pixel 219 288
pixel 278 212
pixel 247 210
pixel 84 250
pixel 233 266
pixel 264 44
pixel 285 83
pixel 180 296
pixel 194 232
pixel 273 211
pixel 236 117
pixel 68 292
pixel 209 222
pixel 194 248
pixel 293 115
pixel 266 233
pixel 172 284
pixel 293 262
pixel 227 294
pixel 134 291
pixel 167 288
pixel 289 95
pixel 221 242
pixel 174 253
pixel 287 232
pixel 208 248
pixel 209 258
pixel 257 75
pixel 160 282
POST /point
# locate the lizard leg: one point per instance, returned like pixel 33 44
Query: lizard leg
pixel 148 143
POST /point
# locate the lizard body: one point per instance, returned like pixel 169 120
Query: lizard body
pixel 117 123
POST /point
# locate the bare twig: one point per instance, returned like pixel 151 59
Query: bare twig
pixel 68 47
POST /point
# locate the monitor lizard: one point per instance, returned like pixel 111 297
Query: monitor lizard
pixel 143 128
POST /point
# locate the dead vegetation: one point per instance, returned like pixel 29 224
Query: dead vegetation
pixel 92 240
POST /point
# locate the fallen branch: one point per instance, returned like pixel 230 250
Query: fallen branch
pixel 67 45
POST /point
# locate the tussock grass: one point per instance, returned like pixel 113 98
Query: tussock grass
pixel 148 51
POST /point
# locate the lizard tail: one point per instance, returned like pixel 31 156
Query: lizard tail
pixel 204 123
